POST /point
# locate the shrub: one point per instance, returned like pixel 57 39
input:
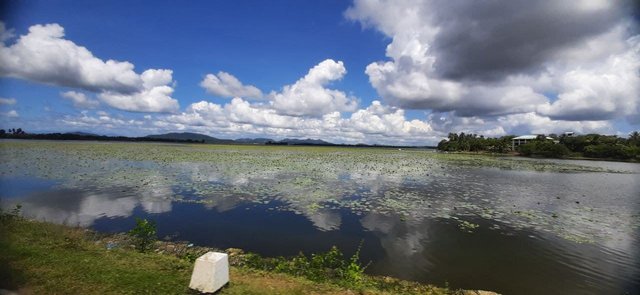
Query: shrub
pixel 14 214
pixel 616 151
pixel 144 234
pixel 354 271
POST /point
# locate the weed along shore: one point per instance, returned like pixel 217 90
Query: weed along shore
pixel 44 258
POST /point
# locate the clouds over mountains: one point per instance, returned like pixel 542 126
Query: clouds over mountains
pixel 305 108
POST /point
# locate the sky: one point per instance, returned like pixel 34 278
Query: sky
pixel 387 72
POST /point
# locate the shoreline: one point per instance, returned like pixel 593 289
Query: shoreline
pixel 28 247
pixel 516 155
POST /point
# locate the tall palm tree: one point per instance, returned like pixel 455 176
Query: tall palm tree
pixel 634 138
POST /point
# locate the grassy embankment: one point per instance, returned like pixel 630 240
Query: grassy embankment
pixel 44 258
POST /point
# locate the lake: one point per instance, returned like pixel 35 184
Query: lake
pixel 507 224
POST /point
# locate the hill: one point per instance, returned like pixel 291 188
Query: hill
pixel 80 133
pixel 308 141
pixel 189 136
pixel 253 140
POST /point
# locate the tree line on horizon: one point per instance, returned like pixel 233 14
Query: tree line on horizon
pixel 12 131
pixel 171 137
pixel 588 145
pixel 18 133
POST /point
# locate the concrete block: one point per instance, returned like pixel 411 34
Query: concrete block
pixel 210 273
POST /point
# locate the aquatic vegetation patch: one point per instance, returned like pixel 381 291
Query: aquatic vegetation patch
pixel 467 227
pixel 310 180
pixel 513 163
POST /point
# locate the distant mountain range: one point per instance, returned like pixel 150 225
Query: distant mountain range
pixel 294 141
pixel 253 140
pixel 82 133
pixel 183 136
pixel 180 137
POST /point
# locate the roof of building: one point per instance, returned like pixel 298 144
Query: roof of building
pixel 526 137
pixel 530 137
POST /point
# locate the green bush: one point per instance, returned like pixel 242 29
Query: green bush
pixel 526 149
pixel 354 271
pixel 544 148
pixel 144 234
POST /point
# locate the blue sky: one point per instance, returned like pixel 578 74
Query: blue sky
pixel 381 73
pixel 271 44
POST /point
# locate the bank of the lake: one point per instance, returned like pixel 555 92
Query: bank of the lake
pixel 44 258
pixel 589 146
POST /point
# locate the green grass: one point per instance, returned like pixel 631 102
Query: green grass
pixel 44 258
pixel 51 259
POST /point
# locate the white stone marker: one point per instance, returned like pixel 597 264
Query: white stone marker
pixel 210 273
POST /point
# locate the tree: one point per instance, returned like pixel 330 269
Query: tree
pixel 474 143
pixel 634 138
pixel 144 234
pixel 615 151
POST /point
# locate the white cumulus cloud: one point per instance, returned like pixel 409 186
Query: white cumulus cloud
pixel 226 85
pixel 7 101
pixel 80 100
pixel 573 61
pixel 155 95
pixel 43 55
pixel 309 96
pixel 11 114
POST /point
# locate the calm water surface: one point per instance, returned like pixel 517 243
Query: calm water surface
pixel 510 231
